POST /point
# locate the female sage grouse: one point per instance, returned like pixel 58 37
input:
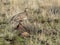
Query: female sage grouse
pixel 19 22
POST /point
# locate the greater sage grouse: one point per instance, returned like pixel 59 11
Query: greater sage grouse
pixel 19 22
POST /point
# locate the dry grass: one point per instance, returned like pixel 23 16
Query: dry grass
pixel 39 22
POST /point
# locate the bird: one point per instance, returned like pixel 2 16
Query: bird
pixel 16 23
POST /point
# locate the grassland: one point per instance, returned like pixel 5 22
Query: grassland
pixel 29 22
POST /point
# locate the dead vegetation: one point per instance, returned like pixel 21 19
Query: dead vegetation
pixel 29 22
